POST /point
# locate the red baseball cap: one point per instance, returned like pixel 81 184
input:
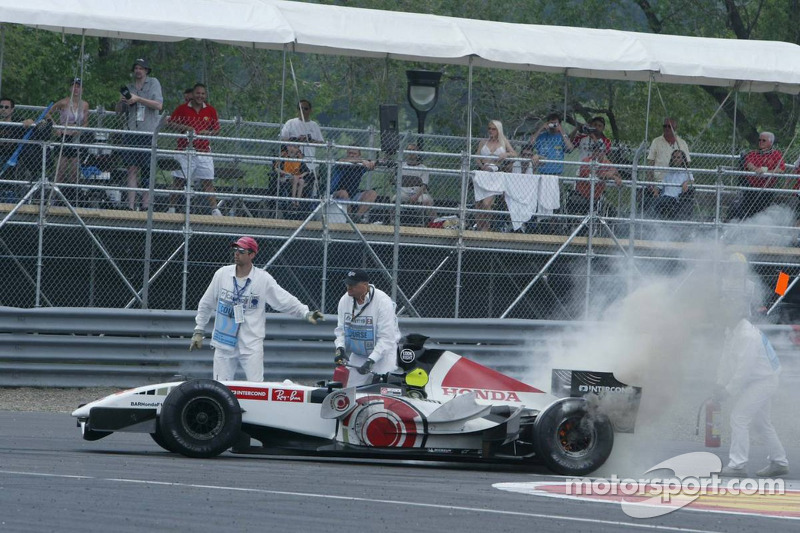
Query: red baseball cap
pixel 247 243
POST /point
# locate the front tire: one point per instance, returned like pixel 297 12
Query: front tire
pixel 158 438
pixel 200 418
pixel 570 440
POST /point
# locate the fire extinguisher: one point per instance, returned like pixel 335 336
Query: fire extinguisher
pixel 341 374
pixel 713 418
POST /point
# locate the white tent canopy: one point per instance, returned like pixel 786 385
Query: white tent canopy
pixel 581 52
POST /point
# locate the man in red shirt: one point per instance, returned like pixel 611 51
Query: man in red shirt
pixel 198 116
pixel 765 162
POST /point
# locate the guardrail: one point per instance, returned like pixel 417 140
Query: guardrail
pixel 79 347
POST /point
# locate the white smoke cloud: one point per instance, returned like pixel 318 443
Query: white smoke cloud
pixel 664 334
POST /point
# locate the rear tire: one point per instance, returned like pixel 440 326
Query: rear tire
pixel 200 418
pixel 572 441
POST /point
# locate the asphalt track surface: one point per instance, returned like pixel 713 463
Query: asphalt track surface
pixel 52 480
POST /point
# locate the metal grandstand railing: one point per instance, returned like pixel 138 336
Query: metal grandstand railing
pixel 74 244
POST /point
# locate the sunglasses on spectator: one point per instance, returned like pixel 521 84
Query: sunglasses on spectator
pixel 241 250
pixel 5 107
pixel 305 108
pixel 763 140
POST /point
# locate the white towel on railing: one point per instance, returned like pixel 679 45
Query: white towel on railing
pixel 522 191
pixel 549 193
pixel 486 184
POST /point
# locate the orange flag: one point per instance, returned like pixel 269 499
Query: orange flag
pixel 783 283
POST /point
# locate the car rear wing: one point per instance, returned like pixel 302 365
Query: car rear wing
pixel 611 397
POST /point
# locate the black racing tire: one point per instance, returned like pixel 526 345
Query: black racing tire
pixel 158 438
pixel 200 418
pixel 570 440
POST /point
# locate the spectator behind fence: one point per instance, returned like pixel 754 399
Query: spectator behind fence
pixel 293 174
pixel 660 154
pixel 551 143
pixel 29 160
pixel 303 129
pixel 201 118
pixel 584 136
pixel 578 201
pixel 139 104
pixel 346 182
pixel 530 161
pixel 496 145
pixel 675 199
pixel 72 111
pixel 414 183
pixel 187 95
pixel 758 196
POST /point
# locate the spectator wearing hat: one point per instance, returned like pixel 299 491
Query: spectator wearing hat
pixel 239 296
pixel 139 104
pixel 201 118
pixel 72 111
pixel 366 331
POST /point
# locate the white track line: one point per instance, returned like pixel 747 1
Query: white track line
pixel 635 525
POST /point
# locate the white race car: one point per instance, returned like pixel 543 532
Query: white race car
pixel 439 406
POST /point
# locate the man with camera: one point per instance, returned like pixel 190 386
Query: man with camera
pixel 139 104
pixel 585 137
pixel 551 143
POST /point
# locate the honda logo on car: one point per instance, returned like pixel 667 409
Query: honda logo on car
pixel 483 394
pixel 287 395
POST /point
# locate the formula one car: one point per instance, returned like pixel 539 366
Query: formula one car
pixel 439 406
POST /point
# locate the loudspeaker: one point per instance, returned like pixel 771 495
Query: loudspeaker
pixel 390 138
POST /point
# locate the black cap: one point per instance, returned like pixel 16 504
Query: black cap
pixel 142 63
pixel 75 81
pixel 356 276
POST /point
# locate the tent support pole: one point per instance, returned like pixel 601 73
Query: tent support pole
pixel 465 171
pixel 647 115
pixel 283 84
pixel 735 117
pixel 2 52
pixel 566 92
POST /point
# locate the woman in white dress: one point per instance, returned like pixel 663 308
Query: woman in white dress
pixel 72 111
pixel 485 187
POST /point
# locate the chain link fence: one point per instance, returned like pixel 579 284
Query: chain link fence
pixel 448 230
